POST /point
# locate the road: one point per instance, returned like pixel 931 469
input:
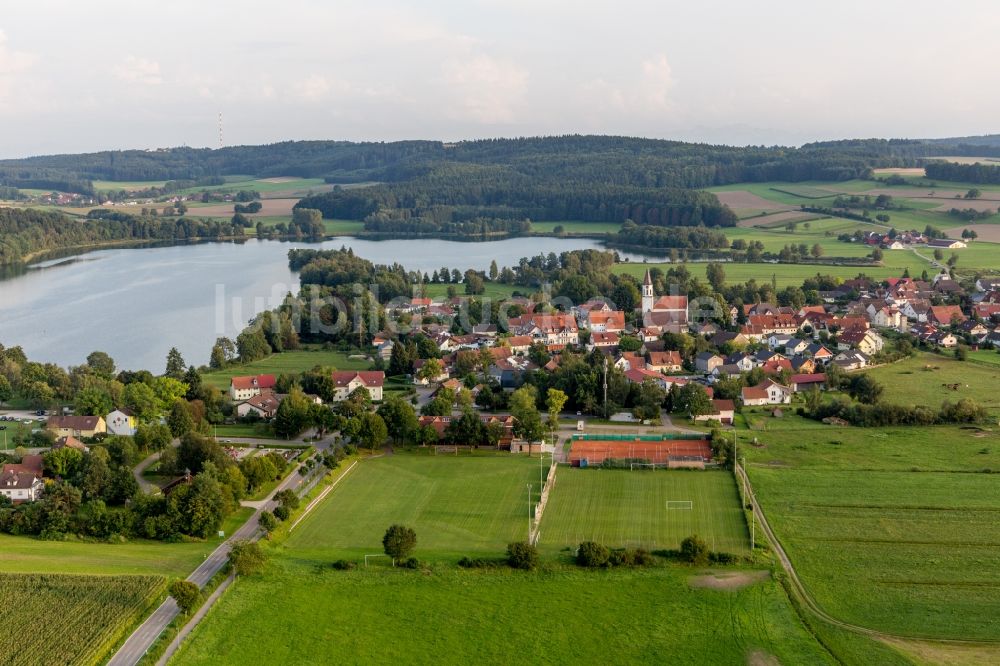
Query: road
pixel 146 486
pixel 143 638
pixel 807 599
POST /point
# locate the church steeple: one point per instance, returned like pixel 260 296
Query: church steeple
pixel 647 292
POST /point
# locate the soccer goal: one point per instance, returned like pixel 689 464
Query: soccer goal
pixel 679 504
pixel 638 465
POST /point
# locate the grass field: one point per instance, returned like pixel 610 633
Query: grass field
pixel 50 619
pixel 889 528
pixel 457 506
pixel 909 382
pixel 19 554
pixel 574 227
pixel 626 508
pixel 493 290
pixel 492 617
pixel 288 362
pixel 784 274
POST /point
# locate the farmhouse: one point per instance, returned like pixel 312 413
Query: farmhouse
pixel 947 243
pixel 77 426
pixel 946 315
pixel 244 388
pixel 347 381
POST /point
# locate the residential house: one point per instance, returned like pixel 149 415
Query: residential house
pixel 819 352
pixel 347 381
pixel 723 411
pixel 244 388
pixel 424 381
pixel 867 341
pixel 743 362
pixel 665 361
pixel 20 487
pixel 601 340
pixel 122 422
pixel 264 406
pixel 77 426
pixel 629 361
pixel 519 344
pixel 606 321
pixel 806 381
pixel 768 392
pixel 639 375
pixel 70 442
pixel 851 360
pixel 707 361
pixel 946 315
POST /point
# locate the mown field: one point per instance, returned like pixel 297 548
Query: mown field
pixel 59 619
pixel 561 616
pixel 922 380
pixel 894 529
pixel 21 554
pixel 629 508
pixel 457 505
pixel 287 362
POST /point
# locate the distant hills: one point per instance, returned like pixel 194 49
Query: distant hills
pixel 621 161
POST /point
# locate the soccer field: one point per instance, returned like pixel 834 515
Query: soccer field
pixel 456 505
pixel 626 508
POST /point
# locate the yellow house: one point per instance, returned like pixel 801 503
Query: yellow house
pixel 76 426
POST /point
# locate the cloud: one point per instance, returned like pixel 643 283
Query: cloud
pixel 14 84
pixel 313 88
pixel 489 90
pixel 657 81
pixel 139 70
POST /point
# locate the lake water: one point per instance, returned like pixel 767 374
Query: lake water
pixel 136 303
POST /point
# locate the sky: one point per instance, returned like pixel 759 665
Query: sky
pixel 85 75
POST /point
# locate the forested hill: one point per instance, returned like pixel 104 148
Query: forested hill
pixel 630 161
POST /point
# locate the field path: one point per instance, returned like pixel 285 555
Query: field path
pixel 810 603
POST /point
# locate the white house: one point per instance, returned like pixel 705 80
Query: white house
pixel 20 486
pixel 244 388
pixel 347 381
pixel 121 422
pixel 767 393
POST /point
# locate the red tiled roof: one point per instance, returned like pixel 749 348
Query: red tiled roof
pixel 370 378
pixel 253 381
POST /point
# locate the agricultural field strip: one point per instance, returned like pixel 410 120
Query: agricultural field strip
pixel 58 618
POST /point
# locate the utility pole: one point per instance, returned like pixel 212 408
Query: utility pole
pixel 529 513
pixel 541 465
pixel 605 387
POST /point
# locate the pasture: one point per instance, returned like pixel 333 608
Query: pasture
pixel 925 378
pixel 289 363
pixel 457 505
pixel 454 616
pixel 56 619
pixel 892 528
pixel 629 508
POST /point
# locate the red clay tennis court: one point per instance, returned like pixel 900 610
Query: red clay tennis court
pixel 596 451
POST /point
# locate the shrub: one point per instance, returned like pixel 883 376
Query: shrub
pixel 281 512
pixel 411 563
pixel 522 555
pixel 694 550
pixel 722 558
pixel 591 554
pixel 343 565
pixel 186 594
pixel 644 558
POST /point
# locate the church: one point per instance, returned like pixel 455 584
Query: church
pixel 667 312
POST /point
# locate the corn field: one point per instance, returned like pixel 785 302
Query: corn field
pixel 60 619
